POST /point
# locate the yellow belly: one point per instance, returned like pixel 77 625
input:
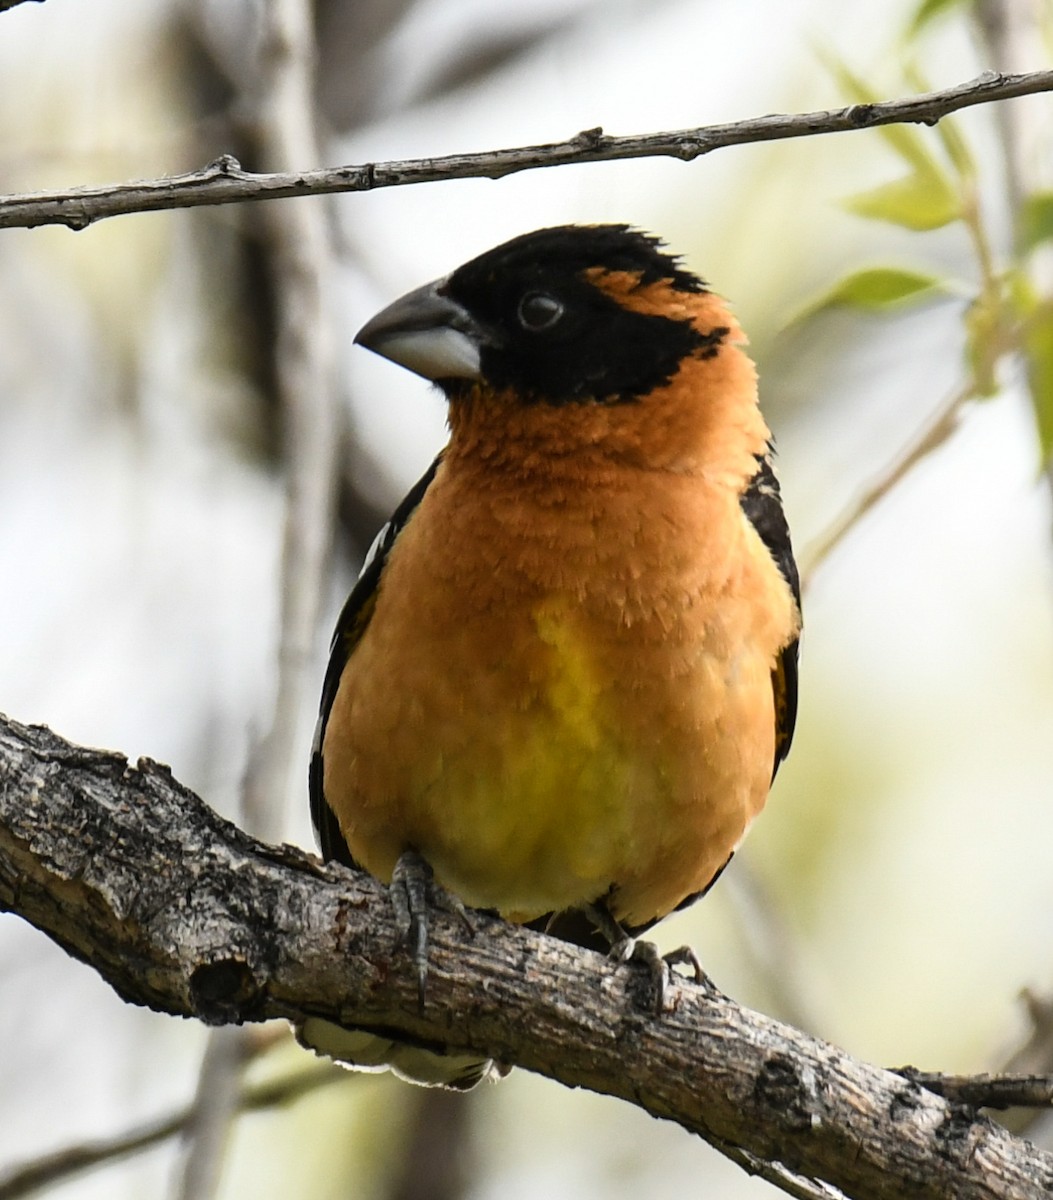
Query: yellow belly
pixel 544 756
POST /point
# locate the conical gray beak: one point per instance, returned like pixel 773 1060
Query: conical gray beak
pixel 428 333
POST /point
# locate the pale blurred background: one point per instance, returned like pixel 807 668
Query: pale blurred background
pixel 898 893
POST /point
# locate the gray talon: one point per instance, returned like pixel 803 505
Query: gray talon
pixel 414 892
pixel 625 949
pixel 684 956
pixel 410 882
pixel 647 953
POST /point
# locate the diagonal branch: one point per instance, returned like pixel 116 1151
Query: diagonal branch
pixel 225 182
pixel 28 1178
pixel 943 422
pixel 179 910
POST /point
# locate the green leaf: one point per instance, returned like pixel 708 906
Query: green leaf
pixel 1036 220
pixel 877 289
pixel 929 10
pixel 921 201
pixel 1038 353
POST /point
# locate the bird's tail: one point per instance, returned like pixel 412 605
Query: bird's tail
pixel 372 1050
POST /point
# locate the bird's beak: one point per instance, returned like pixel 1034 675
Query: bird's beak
pixel 426 332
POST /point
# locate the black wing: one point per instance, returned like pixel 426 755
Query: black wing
pixel 762 504
pixel 349 629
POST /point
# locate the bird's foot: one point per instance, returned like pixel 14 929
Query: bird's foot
pixel 630 949
pixel 660 966
pixel 414 892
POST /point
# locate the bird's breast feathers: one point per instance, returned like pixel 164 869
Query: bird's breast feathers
pixel 558 721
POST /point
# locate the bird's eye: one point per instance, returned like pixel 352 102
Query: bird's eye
pixel 539 311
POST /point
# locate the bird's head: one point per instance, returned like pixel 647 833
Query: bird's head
pixel 593 334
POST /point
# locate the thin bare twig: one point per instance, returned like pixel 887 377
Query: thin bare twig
pixel 999 1091
pixel 225 182
pixel 51 1169
pixel 943 424
pixel 1033 1056
pixel 1008 30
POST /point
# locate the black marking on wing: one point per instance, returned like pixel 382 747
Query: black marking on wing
pixel 350 626
pixel 762 504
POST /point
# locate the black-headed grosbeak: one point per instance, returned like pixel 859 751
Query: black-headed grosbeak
pixel 568 671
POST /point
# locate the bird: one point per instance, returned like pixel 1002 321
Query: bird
pixel 567 675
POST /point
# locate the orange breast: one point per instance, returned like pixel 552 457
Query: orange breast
pixel 564 689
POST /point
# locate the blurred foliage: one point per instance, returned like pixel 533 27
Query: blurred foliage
pixel 928 11
pixel 876 288
pixel 1036 221
pixel 1007 318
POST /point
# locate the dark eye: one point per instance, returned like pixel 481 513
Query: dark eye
pixel 539 311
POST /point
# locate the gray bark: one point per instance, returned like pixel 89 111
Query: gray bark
pixel 179 910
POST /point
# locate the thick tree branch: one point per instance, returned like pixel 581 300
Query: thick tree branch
pixel 179 910
pixel 225 182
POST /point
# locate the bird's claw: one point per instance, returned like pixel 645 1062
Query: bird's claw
pixel 624 948
pixel 414 892
pixel 630 949
pixel 660 967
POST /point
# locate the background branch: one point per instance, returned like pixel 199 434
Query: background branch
pixel 216 1102
pixel 179 910
pixel 25 1179
pixel 299 255
pixel 299 247
pixel 939 428
pixel 225 182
